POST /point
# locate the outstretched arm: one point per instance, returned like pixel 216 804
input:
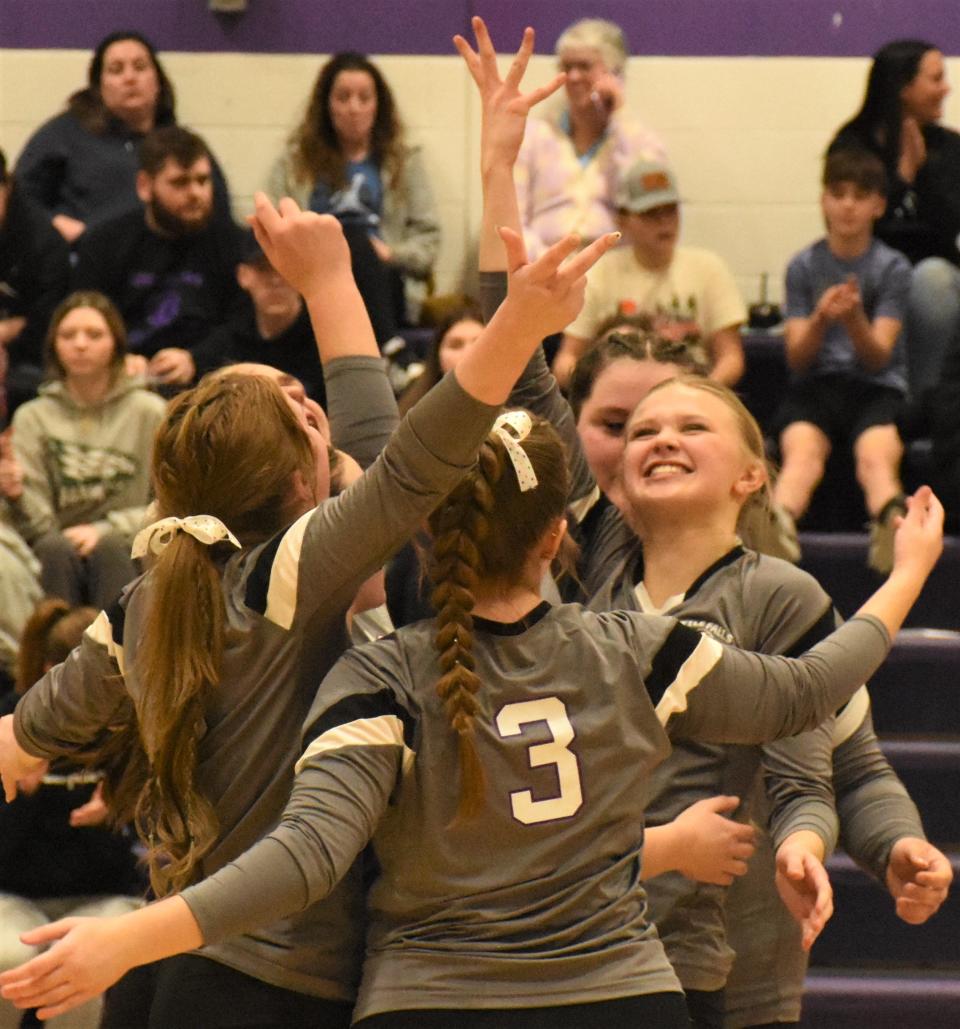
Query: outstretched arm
pixel 504 114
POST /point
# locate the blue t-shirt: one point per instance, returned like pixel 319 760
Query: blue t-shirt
pixel 358 203
pixel 883 275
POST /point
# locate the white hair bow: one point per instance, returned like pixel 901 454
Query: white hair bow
pixel 512 427
pixel 204 528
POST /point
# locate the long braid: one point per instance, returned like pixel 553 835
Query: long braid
pixel 459 527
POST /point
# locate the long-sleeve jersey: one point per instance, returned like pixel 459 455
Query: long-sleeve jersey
pixel 766 982
pixel 542 889
pixel 757 603
pixel 285 604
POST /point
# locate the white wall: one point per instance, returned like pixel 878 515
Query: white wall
pixel 744 134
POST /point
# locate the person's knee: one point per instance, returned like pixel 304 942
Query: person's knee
pixel 53 547
pixel 804 444
pixel 935 281
pixel 17 915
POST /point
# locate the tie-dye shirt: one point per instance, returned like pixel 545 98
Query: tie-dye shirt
pixel 559 194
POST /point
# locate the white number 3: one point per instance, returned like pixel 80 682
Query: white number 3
pixel 510 720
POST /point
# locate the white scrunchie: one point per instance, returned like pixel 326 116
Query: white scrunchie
pixel 205 528
pixel 512 427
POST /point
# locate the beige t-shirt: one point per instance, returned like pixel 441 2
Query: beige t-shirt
pixel 697 286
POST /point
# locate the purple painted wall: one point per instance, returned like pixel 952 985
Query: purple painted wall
pixel 670 27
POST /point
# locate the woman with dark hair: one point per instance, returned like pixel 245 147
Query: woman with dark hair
pixel 348 157
pixel 81 166
pixel 899 122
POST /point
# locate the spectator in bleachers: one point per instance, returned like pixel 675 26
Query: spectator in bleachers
pixel 457 330
pixel 273 329
pixel 573 159
pixel 846 299
pixel 34 274
pixel 169 266
pixel 349 157
pixel 81 166
pixel 689 292
pixel 56 856
pixel 83 450
pixel 899 122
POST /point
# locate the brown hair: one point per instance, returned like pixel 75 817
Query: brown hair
pixel 171 143
pixel 751 434
pixel 230 448
pixel 51 632
pixel 98 302
pixel 314 143
pixel 484 533
pixel 856 165
pixel 640 344
pixel 87 106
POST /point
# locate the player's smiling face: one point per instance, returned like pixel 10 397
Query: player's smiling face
pixel 603 416
pixel 684 446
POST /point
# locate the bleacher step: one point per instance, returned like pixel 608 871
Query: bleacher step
pixel 865 931
pixel 849 999
pixel 839 562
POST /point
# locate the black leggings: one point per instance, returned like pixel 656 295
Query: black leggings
pixel 652 1011
pixel 706 1008
pixel 192 992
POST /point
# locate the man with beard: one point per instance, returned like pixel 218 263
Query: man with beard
pixel 169 267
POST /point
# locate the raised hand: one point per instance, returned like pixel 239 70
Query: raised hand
pixel 716 848
pixel 918 878
pixel 306 248
pixel 504 107
pixel 547 294
pixel 918 542
pixel 913 149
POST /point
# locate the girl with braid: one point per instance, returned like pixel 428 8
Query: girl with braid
pixel 514 899
pixel 693 566
pixel 210 661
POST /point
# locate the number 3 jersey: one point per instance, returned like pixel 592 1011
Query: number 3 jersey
pixel 537 901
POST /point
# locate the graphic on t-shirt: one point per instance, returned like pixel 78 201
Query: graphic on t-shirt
pixel 87 475
pixel 356 204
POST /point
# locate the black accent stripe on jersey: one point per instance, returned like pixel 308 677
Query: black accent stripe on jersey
pixel 360 706
pixel 117 615
pixel 258 582
pixel 817 632
pixel 728 558
pixel 516 628
pixel 676 648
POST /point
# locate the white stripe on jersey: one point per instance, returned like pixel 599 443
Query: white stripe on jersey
pixel 851 717
pixel 674 700
pixel 285 575
pixel 382 731
pixel 582 507
pixel 101 631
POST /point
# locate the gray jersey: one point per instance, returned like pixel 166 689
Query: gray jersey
pixel 543 887
pixel 756 603
pixel 766 983
pixel 285 603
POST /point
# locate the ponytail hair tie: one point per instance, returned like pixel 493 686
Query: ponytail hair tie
pixel 513 427
pixel 204 528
